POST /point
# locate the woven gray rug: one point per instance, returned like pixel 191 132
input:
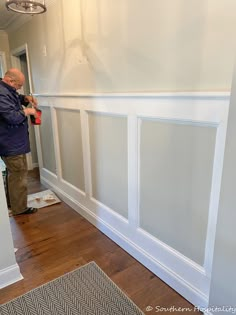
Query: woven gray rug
pixel 86 291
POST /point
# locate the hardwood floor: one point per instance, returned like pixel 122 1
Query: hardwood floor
pixel 56 240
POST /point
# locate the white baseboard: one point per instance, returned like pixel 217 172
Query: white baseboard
pixel 10 275
pixel 35 165
pixel 196 297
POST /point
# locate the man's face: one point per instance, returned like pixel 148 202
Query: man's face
pixel 17 84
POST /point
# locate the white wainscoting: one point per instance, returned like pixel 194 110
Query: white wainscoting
pixel 207 110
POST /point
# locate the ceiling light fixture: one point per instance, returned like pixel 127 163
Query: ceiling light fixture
pixel 26 7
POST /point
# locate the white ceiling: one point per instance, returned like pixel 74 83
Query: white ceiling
pixel 10 19
pixel 6 17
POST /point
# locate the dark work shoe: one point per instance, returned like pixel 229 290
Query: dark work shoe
pixel 29 210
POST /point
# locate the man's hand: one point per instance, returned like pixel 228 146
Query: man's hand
pixel 30 111
pixel 32 100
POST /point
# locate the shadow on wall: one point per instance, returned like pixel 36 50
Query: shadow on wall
pixel 99 46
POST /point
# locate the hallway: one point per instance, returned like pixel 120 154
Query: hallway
pixel 57 240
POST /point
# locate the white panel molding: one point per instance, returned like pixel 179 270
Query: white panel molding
pixel 10 275
pixel 86 152
pixel 133 186
pixel 38 147
pixel 205 109
pixel 56 143
pixel 219 121
pixel 215 193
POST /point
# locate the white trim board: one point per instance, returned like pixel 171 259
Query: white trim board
pixel 182 287
pixel 3 62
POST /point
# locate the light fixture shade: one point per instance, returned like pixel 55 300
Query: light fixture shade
pixel 26 7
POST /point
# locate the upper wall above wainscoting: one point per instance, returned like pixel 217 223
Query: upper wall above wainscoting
pixel 120 46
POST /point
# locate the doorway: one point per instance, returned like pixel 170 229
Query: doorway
pixel 3 64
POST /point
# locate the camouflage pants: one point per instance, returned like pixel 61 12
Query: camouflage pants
pixel 17 182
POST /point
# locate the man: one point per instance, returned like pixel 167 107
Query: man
pixel 14 138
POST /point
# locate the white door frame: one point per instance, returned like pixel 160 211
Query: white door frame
pixel 15 60
pixel 3 61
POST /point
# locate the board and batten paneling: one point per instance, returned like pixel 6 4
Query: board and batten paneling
pixel 175 182
pixel 146 170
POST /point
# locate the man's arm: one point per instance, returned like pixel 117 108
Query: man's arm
pixel 28 99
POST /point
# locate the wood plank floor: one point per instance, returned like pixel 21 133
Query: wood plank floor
pixel 57 240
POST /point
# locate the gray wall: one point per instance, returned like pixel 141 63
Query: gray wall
pixel 71 150
pixel 4 46
pixel 46 136
pixel 109 164
pixel 7 257
pixel 123 46
pixel 223 285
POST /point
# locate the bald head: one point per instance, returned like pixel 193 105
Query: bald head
pixel 15 78
pixel 15 74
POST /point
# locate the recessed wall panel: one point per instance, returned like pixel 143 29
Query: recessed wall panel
pixel 108 147
pixel 71 150
pixel 176 162
pixel 46 136
pixel 33 147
